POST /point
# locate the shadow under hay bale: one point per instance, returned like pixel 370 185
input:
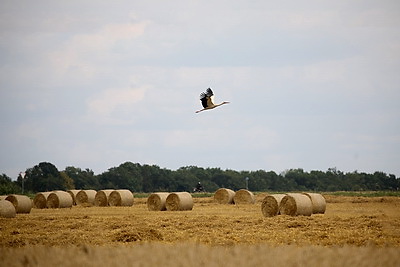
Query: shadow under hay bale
pixel 22 203
pixel 101 198
pixel 59 199
pixel 7 209
pixel 270 204
pixel 85 197
pixel 224 196
pixel 73 193
pixel 40 200
pixel 179 201
pixel 318 202
pixel 122 197
pixel 294 204
pixel 156 201
pixel 244 196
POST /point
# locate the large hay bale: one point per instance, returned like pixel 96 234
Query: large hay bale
pixel 179 201
pixel 156 201
pixel 3 197
pixel 101 198
pixel 270 204
pixel 22 203
pixel 122 197
pixel 73 193
pixel 296 204
pixel 224 196
pixel 59 199
pixel 85 197
pixel 244 196
pixel 318 202
pixel 40 200
pixel 7 209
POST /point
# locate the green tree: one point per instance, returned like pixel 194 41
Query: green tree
pixel 82 179
pixel 7 186
pixel 43 177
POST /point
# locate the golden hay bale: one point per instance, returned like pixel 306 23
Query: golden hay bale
pixel 156 201
pixel 59 199
pixel 22 204
pixel 7 209
pixel 318 202
pixel 270 204
pixel 73 193
pixel 296 204
pixel 179 201
pixel 101 198
pixel 3 197
pixel 122 197
pixel 85 197
pixel 244 196
pixel 40 200
pixel 224 196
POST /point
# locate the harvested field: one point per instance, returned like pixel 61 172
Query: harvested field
pixel 352 229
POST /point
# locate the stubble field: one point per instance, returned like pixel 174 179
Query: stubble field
pixel 362 231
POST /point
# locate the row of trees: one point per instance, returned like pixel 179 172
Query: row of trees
pixel 151 178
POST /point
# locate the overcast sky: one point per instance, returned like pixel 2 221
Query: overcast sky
pixel 93 84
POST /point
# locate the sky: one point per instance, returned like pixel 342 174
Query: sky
pixel 93 84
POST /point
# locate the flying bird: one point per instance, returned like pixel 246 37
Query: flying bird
pixel 206 99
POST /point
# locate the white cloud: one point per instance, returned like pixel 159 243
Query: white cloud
pixel 83 51
pixel 103 106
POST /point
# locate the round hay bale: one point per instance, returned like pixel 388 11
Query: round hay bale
pixel 59 199
pixel 156 201
pixel 85 197
pixel 40 200
pixel 22 203
pixel 73 193
pixel 224 196
pixel 179 201
pixel 3 197
pixel 122 197
pixel 296 204
pixel 101 197
pixel 244 196
pixel 318 202
pixel 270 204
pixel 7 209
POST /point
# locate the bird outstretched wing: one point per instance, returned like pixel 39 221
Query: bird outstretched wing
pixel 203 99
pixel 209 92
pixel 206 99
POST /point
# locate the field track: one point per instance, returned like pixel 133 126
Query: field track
pixel 354 230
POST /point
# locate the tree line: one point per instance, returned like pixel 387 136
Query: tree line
pixel 151 178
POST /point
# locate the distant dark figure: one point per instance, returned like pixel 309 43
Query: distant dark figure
pixel 198 188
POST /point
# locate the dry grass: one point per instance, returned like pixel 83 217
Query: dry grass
pixel 85 197
pixel 352 230
pixel 156 201
pixel 224 196
pixel 155 254
pixel 121 197
pixel 296 204
pixel 101 198
pixel 318 202
pixel 7 209
pixel 270 204
pixel 40 200
pixel 179 201
pixel 59 199
pixel 244 196
pixel 22 203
